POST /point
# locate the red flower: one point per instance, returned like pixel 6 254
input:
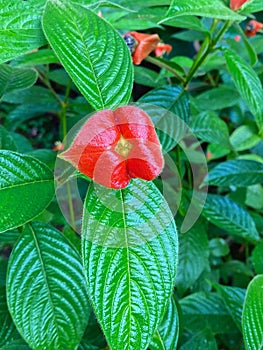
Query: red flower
pixel 114 146
pixel 236 4
pixel 161 49
pixel 141 45
pixel 253 27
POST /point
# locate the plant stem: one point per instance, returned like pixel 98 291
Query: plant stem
pixel 165 66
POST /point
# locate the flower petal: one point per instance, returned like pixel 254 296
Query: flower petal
pixel 146 44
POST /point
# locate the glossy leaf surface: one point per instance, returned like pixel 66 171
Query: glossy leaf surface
pixel 26 188
pixel 92 52
pixel 129 245
pixel 45 282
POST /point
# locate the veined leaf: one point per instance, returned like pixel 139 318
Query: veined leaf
pixel 130 253
pixel 210 128
pixel 252 318
pixel 46 290
pixel 234 299
pixel 26 189
pixel 193 256
pixel 20 27
pixel 244 137
pixel 8 330
pixel 203 8
pixel 166 337
pixel 16 344
pixel 227 214
pixel 247 83
pixel 92 52
pixel 252 6
pixel 204 340
pixel 15 78
pixel 237 172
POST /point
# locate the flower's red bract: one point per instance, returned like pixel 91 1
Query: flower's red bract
pixel 145 44
pixel 253 27
pixel 114 146
pixel 161 49
pixel 236 4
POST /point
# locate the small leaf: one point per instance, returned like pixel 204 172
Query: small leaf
pixel 20 27
pixel 237 172
pixel 218 247
pixel 129 245
pixel 6 140
pixel 210 128
pixel 203 8
pixel 228 215
pixel 244 137
pixel 252 318
pixel 204 340
pixel 193 257
pixel 234 299
pixel 167 335
pixel 45 282
pixel 15 78
pixel 206 310
pixel 43 56
pixel 26 189
pixel 247 83
pixel 92 52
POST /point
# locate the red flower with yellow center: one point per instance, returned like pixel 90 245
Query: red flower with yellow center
pixel 113 147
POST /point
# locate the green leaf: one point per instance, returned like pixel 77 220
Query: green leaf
pixel 44 56
pixel 147 77
pixel 252 6
pixel 92 52
pixel 20 27
pixel 193 257
pixel 204 340
pixel 15 78
pixel 167 335
pixel 130 253
pixel 237 172
pixel 244 137
pixel 26 189
pixel 189 22
pixel 8 330
pixel 252 318
pixel 46 291
pixel 203 8
pixel 257 260
pixel 228 215
pixel 208 127
pixel 247 83
pixel 215 151
pixel 218 98
pixel 218 247
pixel 254 196
pixel 6 140
pixel 15 345
pixel 206 310
pixel 172 98
pixel 233 298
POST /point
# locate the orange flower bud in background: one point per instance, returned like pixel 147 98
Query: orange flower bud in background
pixel 253 27
pixel 162 49
pixel 141 45
pixel 236 4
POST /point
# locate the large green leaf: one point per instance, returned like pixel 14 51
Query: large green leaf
pixel 252 6
pixel 15 345
pixel 193 256
pixel 26 189
pixel 237 172
pixel 233 298
pixel 204 8
pixel 244 137
pixel 166 337
pixel 46 290
pixel 210 128
pixel 8 330
pixel 252 318
pixel 20 27
pixel 206 310
pixel 15 78
pixel 247 83
pixel 129 245
pixel 227 214
pixel 92 52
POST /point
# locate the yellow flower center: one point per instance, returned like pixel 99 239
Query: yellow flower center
pixel 123 147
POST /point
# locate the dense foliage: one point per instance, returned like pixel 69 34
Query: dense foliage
pixel 173 263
